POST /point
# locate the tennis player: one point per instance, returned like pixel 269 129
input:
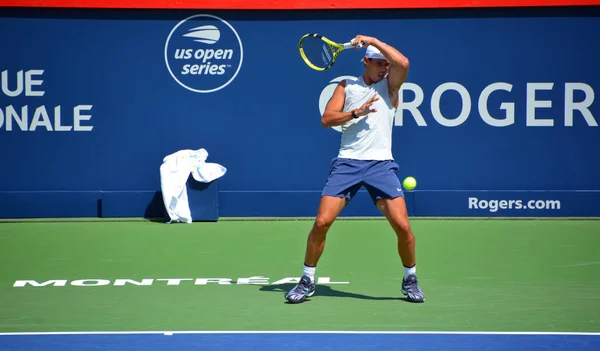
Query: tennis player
pixel 365 109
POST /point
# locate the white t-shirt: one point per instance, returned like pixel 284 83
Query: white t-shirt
pixel 368 137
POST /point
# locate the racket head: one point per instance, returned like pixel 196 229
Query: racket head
pixel 318 52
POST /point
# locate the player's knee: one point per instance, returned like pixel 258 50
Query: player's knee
pixel 323 223
pixel 403 228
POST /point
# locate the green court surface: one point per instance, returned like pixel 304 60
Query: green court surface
pixel 477 275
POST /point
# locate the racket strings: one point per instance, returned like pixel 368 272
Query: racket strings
pixel 317 52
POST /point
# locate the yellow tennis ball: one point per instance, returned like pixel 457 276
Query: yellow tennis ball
pixel 409 183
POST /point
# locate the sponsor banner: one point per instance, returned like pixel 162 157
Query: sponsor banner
pixel 507 203
pixel 30 85
pixel 291 5
pixel 91 103
pixel 203 53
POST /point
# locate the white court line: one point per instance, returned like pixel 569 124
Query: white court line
pixel 299 332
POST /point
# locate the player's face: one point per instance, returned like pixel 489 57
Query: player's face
pixel 377 69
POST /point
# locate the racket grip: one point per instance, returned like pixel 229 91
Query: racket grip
pixel 350 46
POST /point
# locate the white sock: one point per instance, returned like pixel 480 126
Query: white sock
pixel 309 271
pixel 409 271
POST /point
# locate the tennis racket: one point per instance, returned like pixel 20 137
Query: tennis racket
pixel 320 53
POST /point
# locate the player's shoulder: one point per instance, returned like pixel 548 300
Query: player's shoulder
pixel 348 81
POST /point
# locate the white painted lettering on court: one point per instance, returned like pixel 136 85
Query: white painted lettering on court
pixel 220 281
pixel 90 282
pixel 259 280
pixel 174 281
pixel 23 283
pixel 123 282
pixel 253 280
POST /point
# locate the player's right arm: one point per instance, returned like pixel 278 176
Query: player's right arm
pixel 334 116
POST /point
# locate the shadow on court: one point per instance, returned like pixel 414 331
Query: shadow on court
pixel 325 290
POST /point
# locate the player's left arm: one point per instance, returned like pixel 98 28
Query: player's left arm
pixel 398 64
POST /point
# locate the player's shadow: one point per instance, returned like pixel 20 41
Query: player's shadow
pixel 326 290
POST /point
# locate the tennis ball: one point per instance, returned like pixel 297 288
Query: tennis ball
pixel 409 183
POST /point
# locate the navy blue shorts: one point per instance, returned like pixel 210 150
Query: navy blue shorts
pixel 346 176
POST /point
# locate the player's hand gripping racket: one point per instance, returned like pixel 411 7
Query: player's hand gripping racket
pixel 320 53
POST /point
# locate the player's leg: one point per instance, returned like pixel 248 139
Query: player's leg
pixel 329 208
pixel 385 190
pixel 341 186
pixel 395 211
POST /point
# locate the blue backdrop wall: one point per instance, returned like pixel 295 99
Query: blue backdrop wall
pixel 498 114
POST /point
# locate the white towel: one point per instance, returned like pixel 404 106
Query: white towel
pixel 174 173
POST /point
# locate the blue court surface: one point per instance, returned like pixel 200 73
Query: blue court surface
pixel 183 341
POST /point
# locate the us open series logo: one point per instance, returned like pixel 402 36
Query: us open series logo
pixel 203 53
